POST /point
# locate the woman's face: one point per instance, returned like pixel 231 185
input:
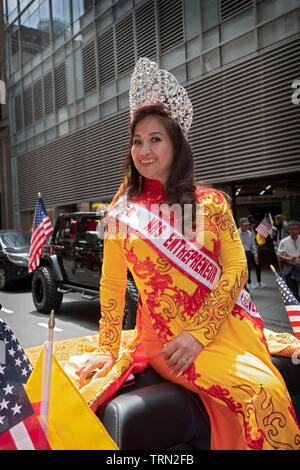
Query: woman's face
pixel 152 149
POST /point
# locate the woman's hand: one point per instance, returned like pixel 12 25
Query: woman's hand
pixel 101 362
pixel 181 352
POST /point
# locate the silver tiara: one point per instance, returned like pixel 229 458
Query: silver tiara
pixel 149 84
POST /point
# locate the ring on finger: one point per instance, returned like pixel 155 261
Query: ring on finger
pixel 185 361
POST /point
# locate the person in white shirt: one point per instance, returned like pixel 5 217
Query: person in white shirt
pixel 289 254
pixel 250 247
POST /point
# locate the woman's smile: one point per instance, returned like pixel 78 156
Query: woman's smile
pixel 152 149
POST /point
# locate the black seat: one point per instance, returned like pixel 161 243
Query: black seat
pixel 155 414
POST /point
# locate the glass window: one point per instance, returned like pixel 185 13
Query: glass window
pixel 12 48
pixel 180 73
pixel 105 20
pixel 122 7
pixel 269 8
pixel 108 107
pixel 60 17
pixel 78 74
pixel 191 18
pixel 35 30
pixel 103 5
pixel 211 60
pixel 80 7
pixel 173 58
pixel 194 68
pixel 238 48
pixel 123 100
pixel 12 10
pixel 210 14
pixel 211 38
pixel 23 4
pixel 193 48
pixel 237 25
pixel 279 29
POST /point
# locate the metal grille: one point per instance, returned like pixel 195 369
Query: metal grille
pixel 60 86
pixel 171 31
pixel 228 8
pixel 48 93
pixel 18 112
pixel 106 61
pixel 125 45
pixel 89 68
pixel 146 31
pixel 28 106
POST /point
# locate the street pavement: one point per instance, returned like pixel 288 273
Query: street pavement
pixel 78 317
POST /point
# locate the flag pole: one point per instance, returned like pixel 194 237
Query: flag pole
pixel 46 374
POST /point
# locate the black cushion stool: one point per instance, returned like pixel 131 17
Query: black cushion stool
pixel 155 414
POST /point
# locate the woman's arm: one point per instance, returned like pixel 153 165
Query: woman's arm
pixel 112 296
pixel 219 303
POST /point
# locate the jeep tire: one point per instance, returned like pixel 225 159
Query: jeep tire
pixel 44 291
pixel 131 301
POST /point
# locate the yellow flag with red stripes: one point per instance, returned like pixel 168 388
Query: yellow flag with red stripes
pixel 72 425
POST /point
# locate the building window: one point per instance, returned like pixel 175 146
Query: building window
pixel 60 17
pixel 35 30
pixel 191 19
pixel 237 25
pixel 12 10
pixel 211 60
pixel 12 48
pixel 279 29
pixel 238 48
pixel 210 14
pixel 268 9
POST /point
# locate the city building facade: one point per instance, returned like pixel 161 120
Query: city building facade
pixel 68 68
pixel 6 215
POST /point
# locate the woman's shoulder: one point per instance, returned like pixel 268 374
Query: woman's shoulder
pixel 210 196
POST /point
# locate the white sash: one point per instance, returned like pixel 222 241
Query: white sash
pixel 188 256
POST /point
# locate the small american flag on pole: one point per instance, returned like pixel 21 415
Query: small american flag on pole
pixel 20 428
pixel 265 227
pixel 42 228
pixel 291 304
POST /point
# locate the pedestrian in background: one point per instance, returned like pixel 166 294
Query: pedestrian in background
pixel 289 255
pixel 253 224
pixel 250 248
pixel 279 231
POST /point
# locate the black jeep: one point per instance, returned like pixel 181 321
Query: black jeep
pixel 71 261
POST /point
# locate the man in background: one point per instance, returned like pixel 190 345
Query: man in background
pixel 250 248
pixel 279 231
pixel 289 255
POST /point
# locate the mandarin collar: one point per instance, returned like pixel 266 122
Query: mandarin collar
pixel 154 187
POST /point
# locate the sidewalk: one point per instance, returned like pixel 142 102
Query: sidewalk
pixel 269 303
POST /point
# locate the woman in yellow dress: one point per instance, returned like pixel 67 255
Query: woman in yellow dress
pixel 195 322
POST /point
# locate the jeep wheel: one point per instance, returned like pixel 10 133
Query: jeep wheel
pixel 44 291
pixel 3 278
pixel 131 300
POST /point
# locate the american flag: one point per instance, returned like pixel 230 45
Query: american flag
pixel 20 428
pixel 42 228
pixel 265 227
pixel 291 304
